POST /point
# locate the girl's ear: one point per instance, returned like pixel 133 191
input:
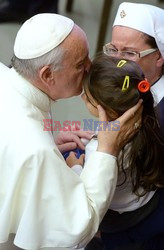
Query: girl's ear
pixel 112 115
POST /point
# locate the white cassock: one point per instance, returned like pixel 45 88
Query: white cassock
pixel 42 201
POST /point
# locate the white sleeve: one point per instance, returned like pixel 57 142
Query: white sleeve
pixel 47 205
pixel 77 169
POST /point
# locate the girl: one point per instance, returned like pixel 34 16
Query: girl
pixel 134 215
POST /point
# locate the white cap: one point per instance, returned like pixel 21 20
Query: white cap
pixel 143 17
pixel 40 34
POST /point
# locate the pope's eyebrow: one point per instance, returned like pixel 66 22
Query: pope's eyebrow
pixel 113 45
pixel 83 59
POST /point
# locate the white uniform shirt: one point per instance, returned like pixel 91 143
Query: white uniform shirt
pixel 42 200
pixel 158 90
pixel 158 94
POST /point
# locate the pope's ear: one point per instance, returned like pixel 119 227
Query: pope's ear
pixel 46 75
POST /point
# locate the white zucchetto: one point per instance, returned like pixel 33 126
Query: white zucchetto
pixel 40 34
pixel 143 17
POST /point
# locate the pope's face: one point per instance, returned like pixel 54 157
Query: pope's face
pixel 124 38
pixel 76 64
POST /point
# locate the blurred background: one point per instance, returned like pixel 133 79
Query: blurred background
pixel 91 16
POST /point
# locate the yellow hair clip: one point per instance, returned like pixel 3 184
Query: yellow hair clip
pixel 125 85
pixel 121 63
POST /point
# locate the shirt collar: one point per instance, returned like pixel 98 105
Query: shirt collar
pixel 158 90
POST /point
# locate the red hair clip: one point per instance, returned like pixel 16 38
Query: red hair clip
pixel 144 86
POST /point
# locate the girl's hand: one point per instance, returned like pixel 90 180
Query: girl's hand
pixel 71 160
pixel 110 140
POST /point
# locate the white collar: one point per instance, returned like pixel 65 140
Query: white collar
pixel 30 92
pixel 158 90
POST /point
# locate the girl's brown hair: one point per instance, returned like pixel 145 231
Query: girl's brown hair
pixel 146 155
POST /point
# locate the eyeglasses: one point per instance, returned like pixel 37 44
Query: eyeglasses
pixel 110 50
